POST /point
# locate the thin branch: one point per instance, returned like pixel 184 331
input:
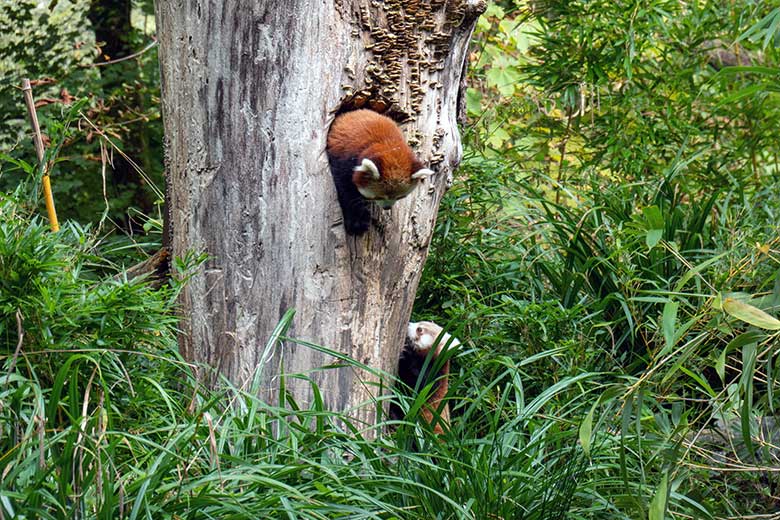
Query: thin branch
pixel 132 163
pixel 123 58
pixel 20 334
pixel 28 99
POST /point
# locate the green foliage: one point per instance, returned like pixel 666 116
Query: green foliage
pixel 100 418
pixel 54 45
pixel 71 333
pixel 627 188
pixel 608 255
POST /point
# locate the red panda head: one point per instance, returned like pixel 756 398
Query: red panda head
pixel 384 169
pixel 423 334
pixel 388 171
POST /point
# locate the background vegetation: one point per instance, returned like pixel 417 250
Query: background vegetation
pixel 609 254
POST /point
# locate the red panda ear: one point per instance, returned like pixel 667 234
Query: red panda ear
pixel 422 173
pixel 368 166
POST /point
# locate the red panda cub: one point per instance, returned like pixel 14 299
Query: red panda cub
pixel 420 338
pixel 370 161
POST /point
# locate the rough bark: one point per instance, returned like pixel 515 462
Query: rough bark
pixel 249 90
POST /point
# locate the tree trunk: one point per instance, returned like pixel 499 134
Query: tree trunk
pixel 249 90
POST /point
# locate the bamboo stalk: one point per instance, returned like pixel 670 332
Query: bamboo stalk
pixel 38 140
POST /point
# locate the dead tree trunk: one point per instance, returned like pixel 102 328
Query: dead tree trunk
pixel 249 90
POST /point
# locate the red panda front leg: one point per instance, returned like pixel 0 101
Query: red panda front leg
pixel 357 216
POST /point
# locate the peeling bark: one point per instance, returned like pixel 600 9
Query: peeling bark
pixel 249 91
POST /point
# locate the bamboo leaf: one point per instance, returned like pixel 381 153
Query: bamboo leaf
pixel 668 323
pixel 749 353
pixel 749 314
pixel 658 505
pixel 653 237
pixel 696 270
pixel 740 341
pixel 742 93
pixel 586 429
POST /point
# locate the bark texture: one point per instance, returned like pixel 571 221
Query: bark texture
pixel 249 90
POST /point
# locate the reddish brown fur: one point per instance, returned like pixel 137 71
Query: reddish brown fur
pixel 366 134
pixel 434 403
pixel 370 161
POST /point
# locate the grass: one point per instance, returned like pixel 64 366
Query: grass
pixel 631 293
pixel 101 418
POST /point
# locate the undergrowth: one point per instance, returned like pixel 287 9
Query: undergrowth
pixel 608 256
pixel 101 418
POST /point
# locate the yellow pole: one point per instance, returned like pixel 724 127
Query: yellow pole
pixel 38 140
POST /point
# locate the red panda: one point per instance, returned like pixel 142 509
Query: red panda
pixel 370 161
pixel 420 338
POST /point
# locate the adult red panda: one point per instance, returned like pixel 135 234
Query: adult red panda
pixel 420 338
pixel 370 161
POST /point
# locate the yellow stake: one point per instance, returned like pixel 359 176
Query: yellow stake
pixel 28 98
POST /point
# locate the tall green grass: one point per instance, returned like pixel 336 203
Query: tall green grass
pixel 628 282
pixel 101 418
pixel 551 418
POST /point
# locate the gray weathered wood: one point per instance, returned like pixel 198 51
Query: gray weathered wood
pixel 249 91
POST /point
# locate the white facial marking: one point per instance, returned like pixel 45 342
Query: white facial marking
pixel 422 174
pixel 423 335
pixel 367 193
pixel 446 339
pixel 411 330
pixel 368 166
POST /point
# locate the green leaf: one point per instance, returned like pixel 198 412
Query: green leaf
pixel 766 28
pixel 503 78
pixel 653 217
pixel 654 223
pixel 749 314
pixel 696 270
pixel 740 341
pixel 494 10
pixel 741 93
pixel 498 138
pixel 658 505
pixel 701 380
pixel 668 323
pixel 473 101
pixel 751 69
pixel 653 237
pixel 749 353
pixel 586 429
pixel 483 23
